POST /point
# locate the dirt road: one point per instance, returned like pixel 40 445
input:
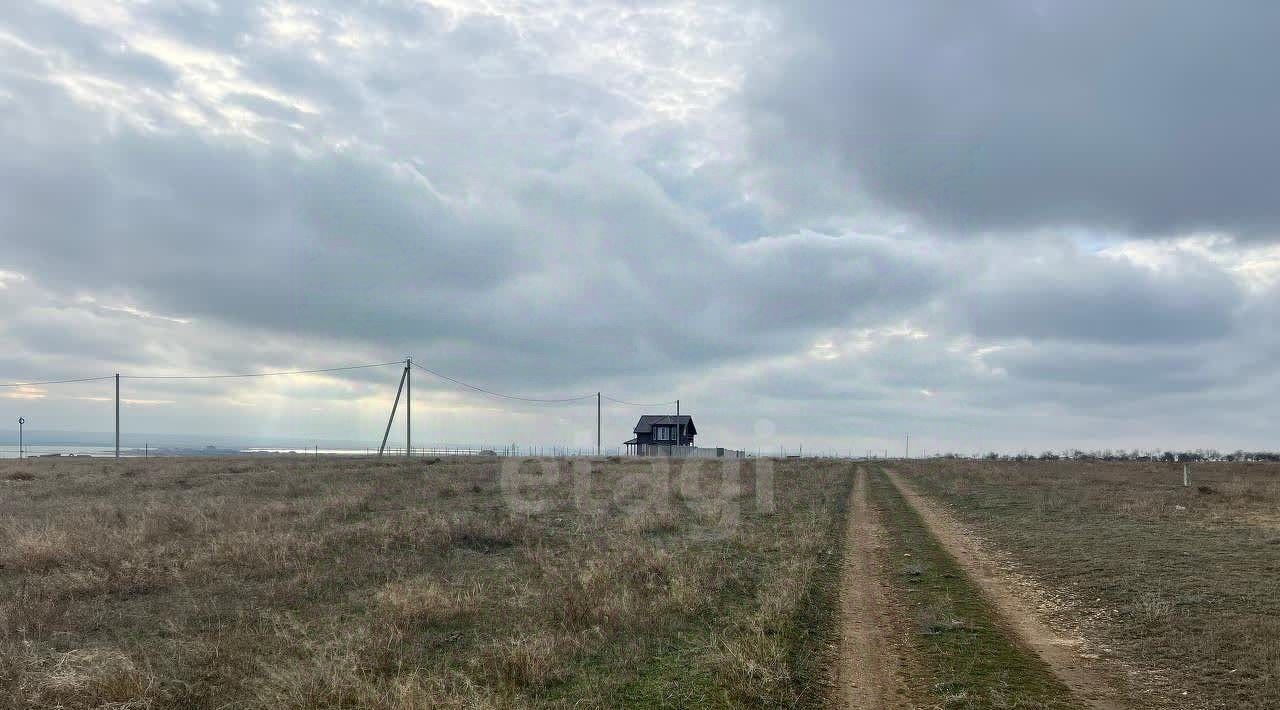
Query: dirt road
pixel 869 665
pixel 1060 652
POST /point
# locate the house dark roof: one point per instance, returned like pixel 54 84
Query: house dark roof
pixel 645 425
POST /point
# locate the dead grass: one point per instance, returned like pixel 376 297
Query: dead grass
pixel 293 583
pixel 1172 583
pixel 86 678
pixel 424 601
pixel 530 661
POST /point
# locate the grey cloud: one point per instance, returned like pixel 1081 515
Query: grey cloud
pixel 1121 372
pixel 519 207
pixel 210 229
pixel 263 106
pixel 1150 117
pixel 344 246
pixel 1061 293
pixel 72 45
pixel 222 26
pixel 483 36
pixel 815 278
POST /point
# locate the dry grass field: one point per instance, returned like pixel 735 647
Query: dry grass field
pixel 1175 587
pixel 293 582
pixel 300 583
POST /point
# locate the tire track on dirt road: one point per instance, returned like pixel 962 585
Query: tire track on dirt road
pixel 867 676
pixel 1086 682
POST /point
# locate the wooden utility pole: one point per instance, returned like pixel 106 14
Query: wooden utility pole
pixel 598 452
pixel 117 415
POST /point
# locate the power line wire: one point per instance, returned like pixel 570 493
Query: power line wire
pixel 347 368
pixel 259 374
pixel 56 382
pixel 504 396
pixel 634 404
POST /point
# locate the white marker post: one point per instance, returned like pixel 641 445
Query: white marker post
pixel 1186 475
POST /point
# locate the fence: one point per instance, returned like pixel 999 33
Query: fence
pixel 688 452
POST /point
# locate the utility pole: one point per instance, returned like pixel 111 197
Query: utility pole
pixel 678 428
pixel 408 407
pixel 597 423
pixel 908 453
pixel 117 415
pixel 394 405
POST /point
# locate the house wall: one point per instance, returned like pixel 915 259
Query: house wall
pixel 685 440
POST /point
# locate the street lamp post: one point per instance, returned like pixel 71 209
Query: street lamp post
pixel 21 421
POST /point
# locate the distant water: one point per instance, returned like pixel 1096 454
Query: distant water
pixel 313 451
pixel 369 452
pixel 11 452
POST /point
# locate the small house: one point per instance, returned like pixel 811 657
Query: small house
pixel 662 430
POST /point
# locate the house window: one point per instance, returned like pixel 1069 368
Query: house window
pixel 662 433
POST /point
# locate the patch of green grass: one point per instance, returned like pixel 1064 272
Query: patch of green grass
pixel 962 656
pixel 815 628
pixel 675 677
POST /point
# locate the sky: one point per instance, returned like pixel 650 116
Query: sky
pixel 994 225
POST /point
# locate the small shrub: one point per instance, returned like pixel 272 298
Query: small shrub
pixel 652 523
pixel 164 525
pixel 530 661
pixel 1151 609
pixel 487 535
pixel 36 548
pixel 755 668
pixel 424 601
pixel 88 678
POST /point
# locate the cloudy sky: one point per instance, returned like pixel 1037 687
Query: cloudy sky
pixel 992 225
